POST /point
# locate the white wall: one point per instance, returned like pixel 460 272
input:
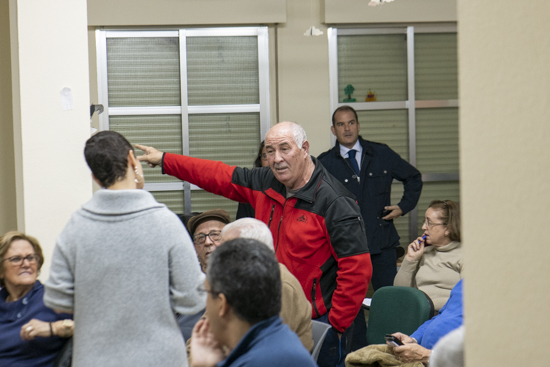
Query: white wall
pixel 49 51
pixel 504 60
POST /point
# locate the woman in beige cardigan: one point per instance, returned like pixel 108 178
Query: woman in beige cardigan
pixel 433 262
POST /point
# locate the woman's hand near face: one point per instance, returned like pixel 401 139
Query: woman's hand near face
pixel 35 328
pixel 415 250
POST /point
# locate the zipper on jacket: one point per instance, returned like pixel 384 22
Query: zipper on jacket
pixel 279 226
pixel 271 216
pixel 313 297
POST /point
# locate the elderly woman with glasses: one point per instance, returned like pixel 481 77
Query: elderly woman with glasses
pixel 30 333
pixel 433 262
pixel 125 265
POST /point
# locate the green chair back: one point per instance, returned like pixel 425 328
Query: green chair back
pixel 396 309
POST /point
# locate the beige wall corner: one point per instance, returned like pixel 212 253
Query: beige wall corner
pixel 398 11
pixel 8 208
pixel 50 52
pixel 504 56
pixel 188 12
pixel 303 73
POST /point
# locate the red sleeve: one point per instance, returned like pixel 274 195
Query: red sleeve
pixel 212 176
pixel 354 274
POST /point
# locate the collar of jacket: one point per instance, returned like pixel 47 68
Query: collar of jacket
pixel 367 148
pixel 120 202
pixel 307 192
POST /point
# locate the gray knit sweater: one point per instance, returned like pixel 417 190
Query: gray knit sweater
pixel 125 264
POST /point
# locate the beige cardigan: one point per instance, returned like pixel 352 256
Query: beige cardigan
pixel 436 273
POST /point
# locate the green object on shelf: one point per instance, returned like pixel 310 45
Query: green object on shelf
pixel 349 91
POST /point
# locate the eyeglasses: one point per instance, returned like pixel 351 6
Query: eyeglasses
pixel 18 260
pixel 200 239
pixel 201 289
pixel 429 224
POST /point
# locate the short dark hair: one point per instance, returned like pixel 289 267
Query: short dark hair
pixel 247 273
pixel 107 156
pixel 344 108
pixel 258 161
pixel 449 214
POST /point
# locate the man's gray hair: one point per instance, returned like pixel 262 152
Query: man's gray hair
pixel 250 228
pixel 298 133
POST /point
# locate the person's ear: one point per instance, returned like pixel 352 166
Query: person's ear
pixel 224 306
pixel 333 130
pixel 305 146
pixel 132 159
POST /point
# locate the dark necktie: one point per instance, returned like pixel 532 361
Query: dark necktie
pixel 353 161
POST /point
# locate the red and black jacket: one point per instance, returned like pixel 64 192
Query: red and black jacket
pixel 318 233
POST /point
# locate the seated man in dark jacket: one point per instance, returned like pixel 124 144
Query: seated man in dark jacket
pixel 243 283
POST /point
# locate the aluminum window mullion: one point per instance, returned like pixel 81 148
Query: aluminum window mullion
pixel 140 34
pixel 184 113
pixel 263 69
pixel 332 34
pixel 102 82
pixel 221 32
pixel 369 31
pixel 413 216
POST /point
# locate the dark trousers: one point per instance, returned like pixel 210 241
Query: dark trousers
pixel 384 268
pixel 334 351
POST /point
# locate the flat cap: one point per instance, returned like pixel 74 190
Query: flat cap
pixel 217 214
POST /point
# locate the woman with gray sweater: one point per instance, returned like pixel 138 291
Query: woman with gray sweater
pixel 124 265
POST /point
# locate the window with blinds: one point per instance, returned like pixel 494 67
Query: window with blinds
pixel 413 73
pixel 200 92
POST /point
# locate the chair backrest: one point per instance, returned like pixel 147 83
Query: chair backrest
pixel 319 330
pixel 396 309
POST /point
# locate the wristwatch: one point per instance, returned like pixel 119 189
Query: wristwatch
pixel 67 327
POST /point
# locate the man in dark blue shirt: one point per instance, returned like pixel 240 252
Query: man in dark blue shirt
pixel 367 169
pixel 242 325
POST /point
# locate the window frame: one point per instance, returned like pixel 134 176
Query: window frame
pixel 411 104
pixel 184 110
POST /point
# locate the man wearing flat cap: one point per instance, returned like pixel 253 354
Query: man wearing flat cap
pixel 205 230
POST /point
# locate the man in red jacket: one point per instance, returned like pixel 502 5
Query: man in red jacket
pixel 316 224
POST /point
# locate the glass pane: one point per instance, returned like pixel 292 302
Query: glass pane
pixel 390 127
pixel 376 63
pixel 174 200
pixel 436 191
pixel 437 140
pixel 143 71
pixel 202 201
pixel 231 138
pixel 222 70
pixel 436 66
pixel 160 131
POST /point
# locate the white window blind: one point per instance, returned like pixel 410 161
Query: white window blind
pixel 413 73
pixel 202 92
pixel 373 62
